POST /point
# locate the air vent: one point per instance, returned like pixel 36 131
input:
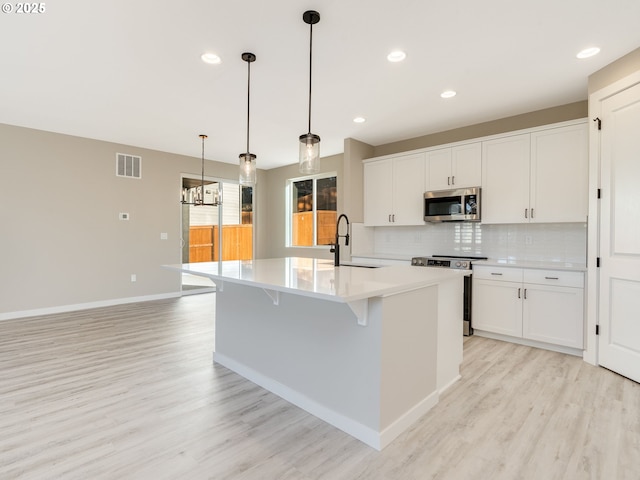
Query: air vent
pixel 129 166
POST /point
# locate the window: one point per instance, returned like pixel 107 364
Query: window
pixel 313 206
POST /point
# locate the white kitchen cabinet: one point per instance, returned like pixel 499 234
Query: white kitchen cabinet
pixel 538 177
pixel 559 175
pixel 393 191
pixel 535 304
pixel 496 307
pixel 505 179
pixel 454 167
pixel 377 192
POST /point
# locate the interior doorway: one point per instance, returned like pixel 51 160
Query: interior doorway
pixel 619 269
pixel 215 233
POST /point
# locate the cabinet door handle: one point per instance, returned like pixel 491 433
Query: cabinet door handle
pixel 453 180
pixel 448 180
pixel 494 273
pixel 393 218
pixel 525 212
pixel 532 213
pixel 525 293
pixel 519 292
pixel 389 218
pixel 551 278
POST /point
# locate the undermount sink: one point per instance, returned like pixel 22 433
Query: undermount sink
pixel 358 265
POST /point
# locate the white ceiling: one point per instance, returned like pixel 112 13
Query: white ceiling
pixel 130 71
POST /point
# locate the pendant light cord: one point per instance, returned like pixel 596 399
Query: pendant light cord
pixel 248 99
pixel 310 61
pixel 202 177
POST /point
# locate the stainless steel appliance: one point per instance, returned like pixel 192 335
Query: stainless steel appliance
pixel 459 205
pixel 460 263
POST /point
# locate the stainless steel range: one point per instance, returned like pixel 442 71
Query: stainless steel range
pixel 459 263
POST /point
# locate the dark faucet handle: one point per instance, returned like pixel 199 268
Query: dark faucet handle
pixel 346 239
pixel 333 247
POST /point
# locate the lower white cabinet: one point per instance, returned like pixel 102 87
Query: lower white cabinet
pixel 535 304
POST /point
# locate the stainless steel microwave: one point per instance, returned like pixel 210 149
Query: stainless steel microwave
pixel 458 205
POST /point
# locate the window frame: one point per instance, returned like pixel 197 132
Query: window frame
pixel 289 209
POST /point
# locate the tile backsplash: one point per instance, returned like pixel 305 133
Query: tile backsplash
pixel 551 242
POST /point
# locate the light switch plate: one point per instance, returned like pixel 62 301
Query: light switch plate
pixel 163 236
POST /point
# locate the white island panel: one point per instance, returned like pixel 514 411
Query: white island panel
pixel 371 381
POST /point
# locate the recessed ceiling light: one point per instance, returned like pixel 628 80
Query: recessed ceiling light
pixel 396 56
pixel 448 94
pixel 359 120
pixel 211 58
pixel 588 52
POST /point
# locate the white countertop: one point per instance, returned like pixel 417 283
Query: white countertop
pixel 319 278
pixel 503 262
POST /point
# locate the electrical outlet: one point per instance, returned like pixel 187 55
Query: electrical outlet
pixel 134 278
pixel 123 216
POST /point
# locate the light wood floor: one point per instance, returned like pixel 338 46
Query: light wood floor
pixel 130 392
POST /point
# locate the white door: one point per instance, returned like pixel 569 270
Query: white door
pixel 619 317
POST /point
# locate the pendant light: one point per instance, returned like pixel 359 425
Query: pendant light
pixel 248 160
pixel 195 194
pixel 310 142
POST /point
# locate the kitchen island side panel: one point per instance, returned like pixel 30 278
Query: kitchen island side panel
pixel 313 347
pixel 409 353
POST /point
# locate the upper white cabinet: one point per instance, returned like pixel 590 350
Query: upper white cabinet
pixel 393 191
pixel 454 167
pixel 559 175
pixel 505 179
pixel 536 177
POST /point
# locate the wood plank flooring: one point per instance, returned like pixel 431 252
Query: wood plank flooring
pixel 130 392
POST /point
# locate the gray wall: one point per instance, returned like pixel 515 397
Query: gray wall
pixel 61 241
pixel 560 113
pixel 354 153
pixel 624 66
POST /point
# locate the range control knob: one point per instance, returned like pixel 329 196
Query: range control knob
pixel 464 264
pixel 458 264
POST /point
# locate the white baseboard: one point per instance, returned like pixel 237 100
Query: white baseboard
pixel 85 306
pixel 529 343
pixel 367 435
pixel 448 385
pixel 409 418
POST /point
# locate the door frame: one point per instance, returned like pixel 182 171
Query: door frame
pixel 590 354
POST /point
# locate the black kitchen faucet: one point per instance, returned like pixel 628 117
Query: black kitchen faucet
pixel 335 248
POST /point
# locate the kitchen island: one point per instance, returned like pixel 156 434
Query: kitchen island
pixel 368 350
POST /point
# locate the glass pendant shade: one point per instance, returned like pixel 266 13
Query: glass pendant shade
pixel 247 169
pixel 309 153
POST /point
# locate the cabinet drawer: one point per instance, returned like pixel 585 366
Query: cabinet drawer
pixel 505 274
pixel 558 278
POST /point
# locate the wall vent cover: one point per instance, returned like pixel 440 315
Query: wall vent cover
pixel 129 166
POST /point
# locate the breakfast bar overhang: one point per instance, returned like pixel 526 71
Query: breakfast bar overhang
pixel 368 350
